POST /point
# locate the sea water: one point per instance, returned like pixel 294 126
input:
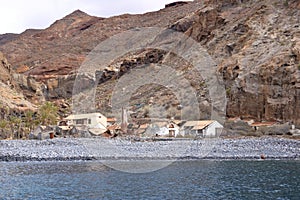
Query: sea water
pixel 202 179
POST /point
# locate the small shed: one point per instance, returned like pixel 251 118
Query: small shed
pixel 204 128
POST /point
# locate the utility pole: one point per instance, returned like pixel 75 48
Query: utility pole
pixel 124 122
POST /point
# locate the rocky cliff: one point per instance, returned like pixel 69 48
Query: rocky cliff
pixel 11 93
pixel 256 45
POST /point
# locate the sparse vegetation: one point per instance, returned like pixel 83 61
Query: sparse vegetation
pixel 17 125
pixel 48 114
pixel 228 90
pixel 3 127
pixel 29 121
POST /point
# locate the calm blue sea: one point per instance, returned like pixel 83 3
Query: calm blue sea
pixel 180 180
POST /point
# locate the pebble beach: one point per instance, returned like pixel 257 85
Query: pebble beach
pixel 68 149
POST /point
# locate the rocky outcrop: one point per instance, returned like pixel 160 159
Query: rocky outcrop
pixel 177 3
pixel 32 89
pixel 22 84
pixel 256 45
pixel 261 70
pixel 11 96
pixel 62 47
pixel 52 55
pixel 5 71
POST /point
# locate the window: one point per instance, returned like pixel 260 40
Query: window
pixel 89 121
pixel 81 121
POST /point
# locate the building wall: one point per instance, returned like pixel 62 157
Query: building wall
pixel 189 132
pixel 210 131
pixel 100 119
pixel 92 120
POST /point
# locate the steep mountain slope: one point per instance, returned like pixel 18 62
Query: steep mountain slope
pixel 256 45
pixel 11 95
pixel 53 54
pixel 62 47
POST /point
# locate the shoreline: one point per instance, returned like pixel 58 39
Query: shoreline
pixel 102 149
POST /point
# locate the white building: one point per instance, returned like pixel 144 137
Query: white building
pixel 90 120
pixel 173 129
pixel 204 128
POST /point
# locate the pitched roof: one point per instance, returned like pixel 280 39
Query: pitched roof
pixel 198 125
pixel 177 122
pixel 111 119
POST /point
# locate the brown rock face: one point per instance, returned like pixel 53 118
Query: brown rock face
pixel 205 21
pixel 11 96
pixel 5 69
pixel 256 45
pixel 60 49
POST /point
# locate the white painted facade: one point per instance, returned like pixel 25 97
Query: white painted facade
pixel 207 128
pixel 212 130
pixel 91 120
pixel 173 130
